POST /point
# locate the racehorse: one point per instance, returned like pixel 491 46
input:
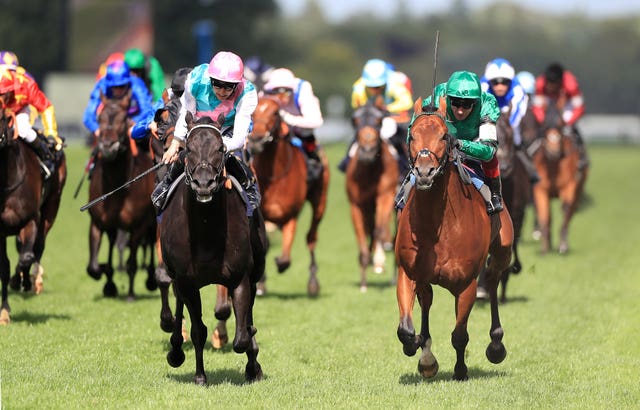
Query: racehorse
pixel 129 209
pixel 444 237
pixel 206 237
pixel 516 190
pixel 281 171
pixel 556 158
pixel 371 181
pixel 28 208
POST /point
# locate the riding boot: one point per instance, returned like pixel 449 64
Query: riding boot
pixel 584 157
pixel 41 149
pixel 528 165
pixel 342 166
pixel 495 205
pixel 245 177
pixel 403 192
pixel 314 166
pixel 159 195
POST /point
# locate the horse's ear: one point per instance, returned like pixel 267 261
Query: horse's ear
pixel 220 120
pixel 189 120
pixel 417 106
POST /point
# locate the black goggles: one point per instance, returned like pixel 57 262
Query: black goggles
pixel 465 103
pixel 224 85
pixel 500 80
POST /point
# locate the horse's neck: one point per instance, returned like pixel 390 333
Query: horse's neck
pixel 12 164
pixel 205 219
pixel 118 171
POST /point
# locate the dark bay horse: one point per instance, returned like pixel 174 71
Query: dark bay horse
pixel 28 208
pixel 556 158
pixel 206 238
pixel 281 171
pixel 516 190
pixel 129 209
pixel 371 182
pixel 444 238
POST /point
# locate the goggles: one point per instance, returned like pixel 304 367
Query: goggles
pixel 465 103
pixel 500 80
pixel 223 85
pixel 279 90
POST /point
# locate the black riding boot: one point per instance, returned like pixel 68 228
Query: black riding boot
pixel 528 165
pixel 39 145
pixel 342 166
pixel 584 158
pixel 244 175
pixel 314 166
pixel 159 195
pixel 495 205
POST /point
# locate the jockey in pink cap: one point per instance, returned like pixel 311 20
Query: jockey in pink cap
pixel 210 90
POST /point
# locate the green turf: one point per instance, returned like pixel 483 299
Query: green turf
pixel 571 326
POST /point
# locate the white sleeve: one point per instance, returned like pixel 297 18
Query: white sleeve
pixel 310 114
pixel 487 131
pixel 188 104
pixel 242 122
pixel 389 128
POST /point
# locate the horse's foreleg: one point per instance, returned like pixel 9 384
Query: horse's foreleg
pixel 543 212
pixel 95 237
pixel 318 201
pixel 191 297
pixel 364 254
pixel 109 290
pixel 5 310
pixel 569 205
pixel 427 365
pixel 288 234
pixel 242 304
pixel 175 356
pixel 122 241
pixel 253 370
pixel 27 241
pixel 460 336
pixel 222 311
pixel 406 294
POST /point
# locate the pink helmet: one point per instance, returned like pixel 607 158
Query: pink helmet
pixel 226 66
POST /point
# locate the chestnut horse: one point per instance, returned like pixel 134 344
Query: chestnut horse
pixel 281 171
pixel 516 190
pixel 28 208
pixel 371 182
pixel 129 209
pixel 444 238
pixel 206 237
pixel 556 158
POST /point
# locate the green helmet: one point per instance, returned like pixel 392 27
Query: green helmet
pixel 463 84
pixel 134 57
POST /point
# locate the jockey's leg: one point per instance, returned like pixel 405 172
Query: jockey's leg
pixel 492 171
pixel 159 195
pixel 532 172
pixel 314 165
pixel 351 150
pixel 584 157
pixel 38 145
pixel 241 171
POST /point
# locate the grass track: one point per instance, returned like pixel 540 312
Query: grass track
pixel 571 326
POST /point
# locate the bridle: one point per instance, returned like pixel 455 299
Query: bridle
pixel 204 164
pixel 425 152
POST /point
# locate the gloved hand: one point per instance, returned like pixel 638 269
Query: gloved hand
pixel 53 142
pixel 456 143
pixel 567 129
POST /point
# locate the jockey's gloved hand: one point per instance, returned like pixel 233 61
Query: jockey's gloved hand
pixel 567 129
pixel 456 143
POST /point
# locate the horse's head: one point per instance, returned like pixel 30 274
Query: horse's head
pixel 267 125
pixel 113 123
pixel 367 120
pixel 204 161
pixel 506 148
pixel 429 144
pixel 552 138
pixel 7 130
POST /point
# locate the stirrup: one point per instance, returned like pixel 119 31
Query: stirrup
pixel 493 208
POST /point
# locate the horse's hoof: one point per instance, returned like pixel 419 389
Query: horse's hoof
pixel 536 235
pixel 5 318
pixel 151 284
pixel 428 365
pixel 94 274
pixel 378 270
pixel 109 290
pixel 563 249
pixel 363 288
pixel 218 340
pixel 496 352
pixel 282 264
pixel 313 288
pixel 14 282
pixel 261 289
pixel 167 325
pixel 201 380
pixel 253 373
pixel 175 357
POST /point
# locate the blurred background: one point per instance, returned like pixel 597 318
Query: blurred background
pixel 63 42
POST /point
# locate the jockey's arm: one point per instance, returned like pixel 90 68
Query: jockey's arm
pixel 485 146
pixel 90 113
pixel 401 99
pixel 310 114
pixel 242 121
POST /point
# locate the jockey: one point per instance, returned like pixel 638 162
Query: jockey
pixel 257 71
pixel 378 79
pixel 9 61
pixel 499 80
pixel 116 84
pixel 210 90
pixel 170 101
pixel 559 86
pixel 147 68
pixel 17 92
pixel 471 118
pixel 300 109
